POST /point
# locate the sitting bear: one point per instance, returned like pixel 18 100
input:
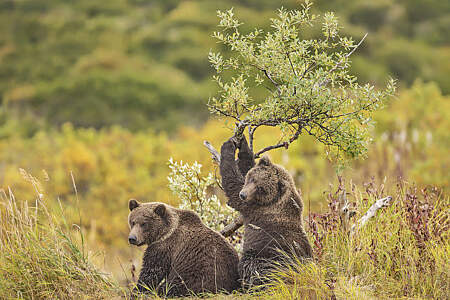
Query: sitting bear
pixel 183 256
pixel 271 209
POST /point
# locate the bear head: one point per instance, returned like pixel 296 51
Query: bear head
pixel 264 185
pixel 150 222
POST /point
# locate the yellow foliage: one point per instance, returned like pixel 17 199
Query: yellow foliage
pixel 20 93
pixel 109 166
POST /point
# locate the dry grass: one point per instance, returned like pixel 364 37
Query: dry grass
pixel 402 253
pixel 41 258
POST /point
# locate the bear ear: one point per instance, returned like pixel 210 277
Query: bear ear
pixel 264 161
pixel 132 204
pixel 160 210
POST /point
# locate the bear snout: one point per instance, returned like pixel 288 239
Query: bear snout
pixel 132 239
pixel 242 195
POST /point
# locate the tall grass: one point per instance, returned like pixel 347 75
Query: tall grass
pixel 404 251
pixel 42 258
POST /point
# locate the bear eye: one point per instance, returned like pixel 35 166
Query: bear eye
pixel 132 224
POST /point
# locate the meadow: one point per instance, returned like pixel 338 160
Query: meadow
pixel 72 200
pixel 401 253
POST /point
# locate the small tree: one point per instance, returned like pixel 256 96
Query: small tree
pixel 309 88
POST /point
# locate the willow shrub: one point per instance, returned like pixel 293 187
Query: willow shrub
pixel 309 88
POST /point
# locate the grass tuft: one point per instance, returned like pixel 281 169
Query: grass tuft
pixel 42 259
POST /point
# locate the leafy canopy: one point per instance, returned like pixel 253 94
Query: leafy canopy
pixel 308 85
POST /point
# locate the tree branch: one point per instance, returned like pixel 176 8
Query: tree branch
pixel 309 68
pixel 240 127
pixel 325 82
pixel 276 84
pixel 379 204
pixel 215 154
pixel 232 227
pixel 283 144
pixel 251 133
pixel 213 107
pixel 238 222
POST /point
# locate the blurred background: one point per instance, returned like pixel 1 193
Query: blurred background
pixel 103 93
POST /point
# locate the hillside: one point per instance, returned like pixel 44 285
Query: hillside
pixel 141 64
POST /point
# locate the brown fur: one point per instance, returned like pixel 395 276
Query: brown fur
pixel 271 208
pixel 183 256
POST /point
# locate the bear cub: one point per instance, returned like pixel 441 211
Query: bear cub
pixel 265 195
pixel 183 256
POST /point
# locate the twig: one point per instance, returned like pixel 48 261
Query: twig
pixel 290 62
pixel 309 68
pixel 293 70
pixel 379 204
pixel 325 82
pixel 232 227
pixel 283 144
pixel 215 154
pixel 276 84
pixel 251 133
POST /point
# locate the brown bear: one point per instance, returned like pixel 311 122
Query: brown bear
pixel 271 208
pixel 183 256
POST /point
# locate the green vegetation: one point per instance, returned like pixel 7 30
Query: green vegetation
pixel 309 86
pixel 402 252
pixel 96 96
pixel 110 166
pixel 41 259
pixel 191 188
pixel 139 63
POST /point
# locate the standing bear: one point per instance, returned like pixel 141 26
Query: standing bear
pixel 183 256
pixel 271 208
